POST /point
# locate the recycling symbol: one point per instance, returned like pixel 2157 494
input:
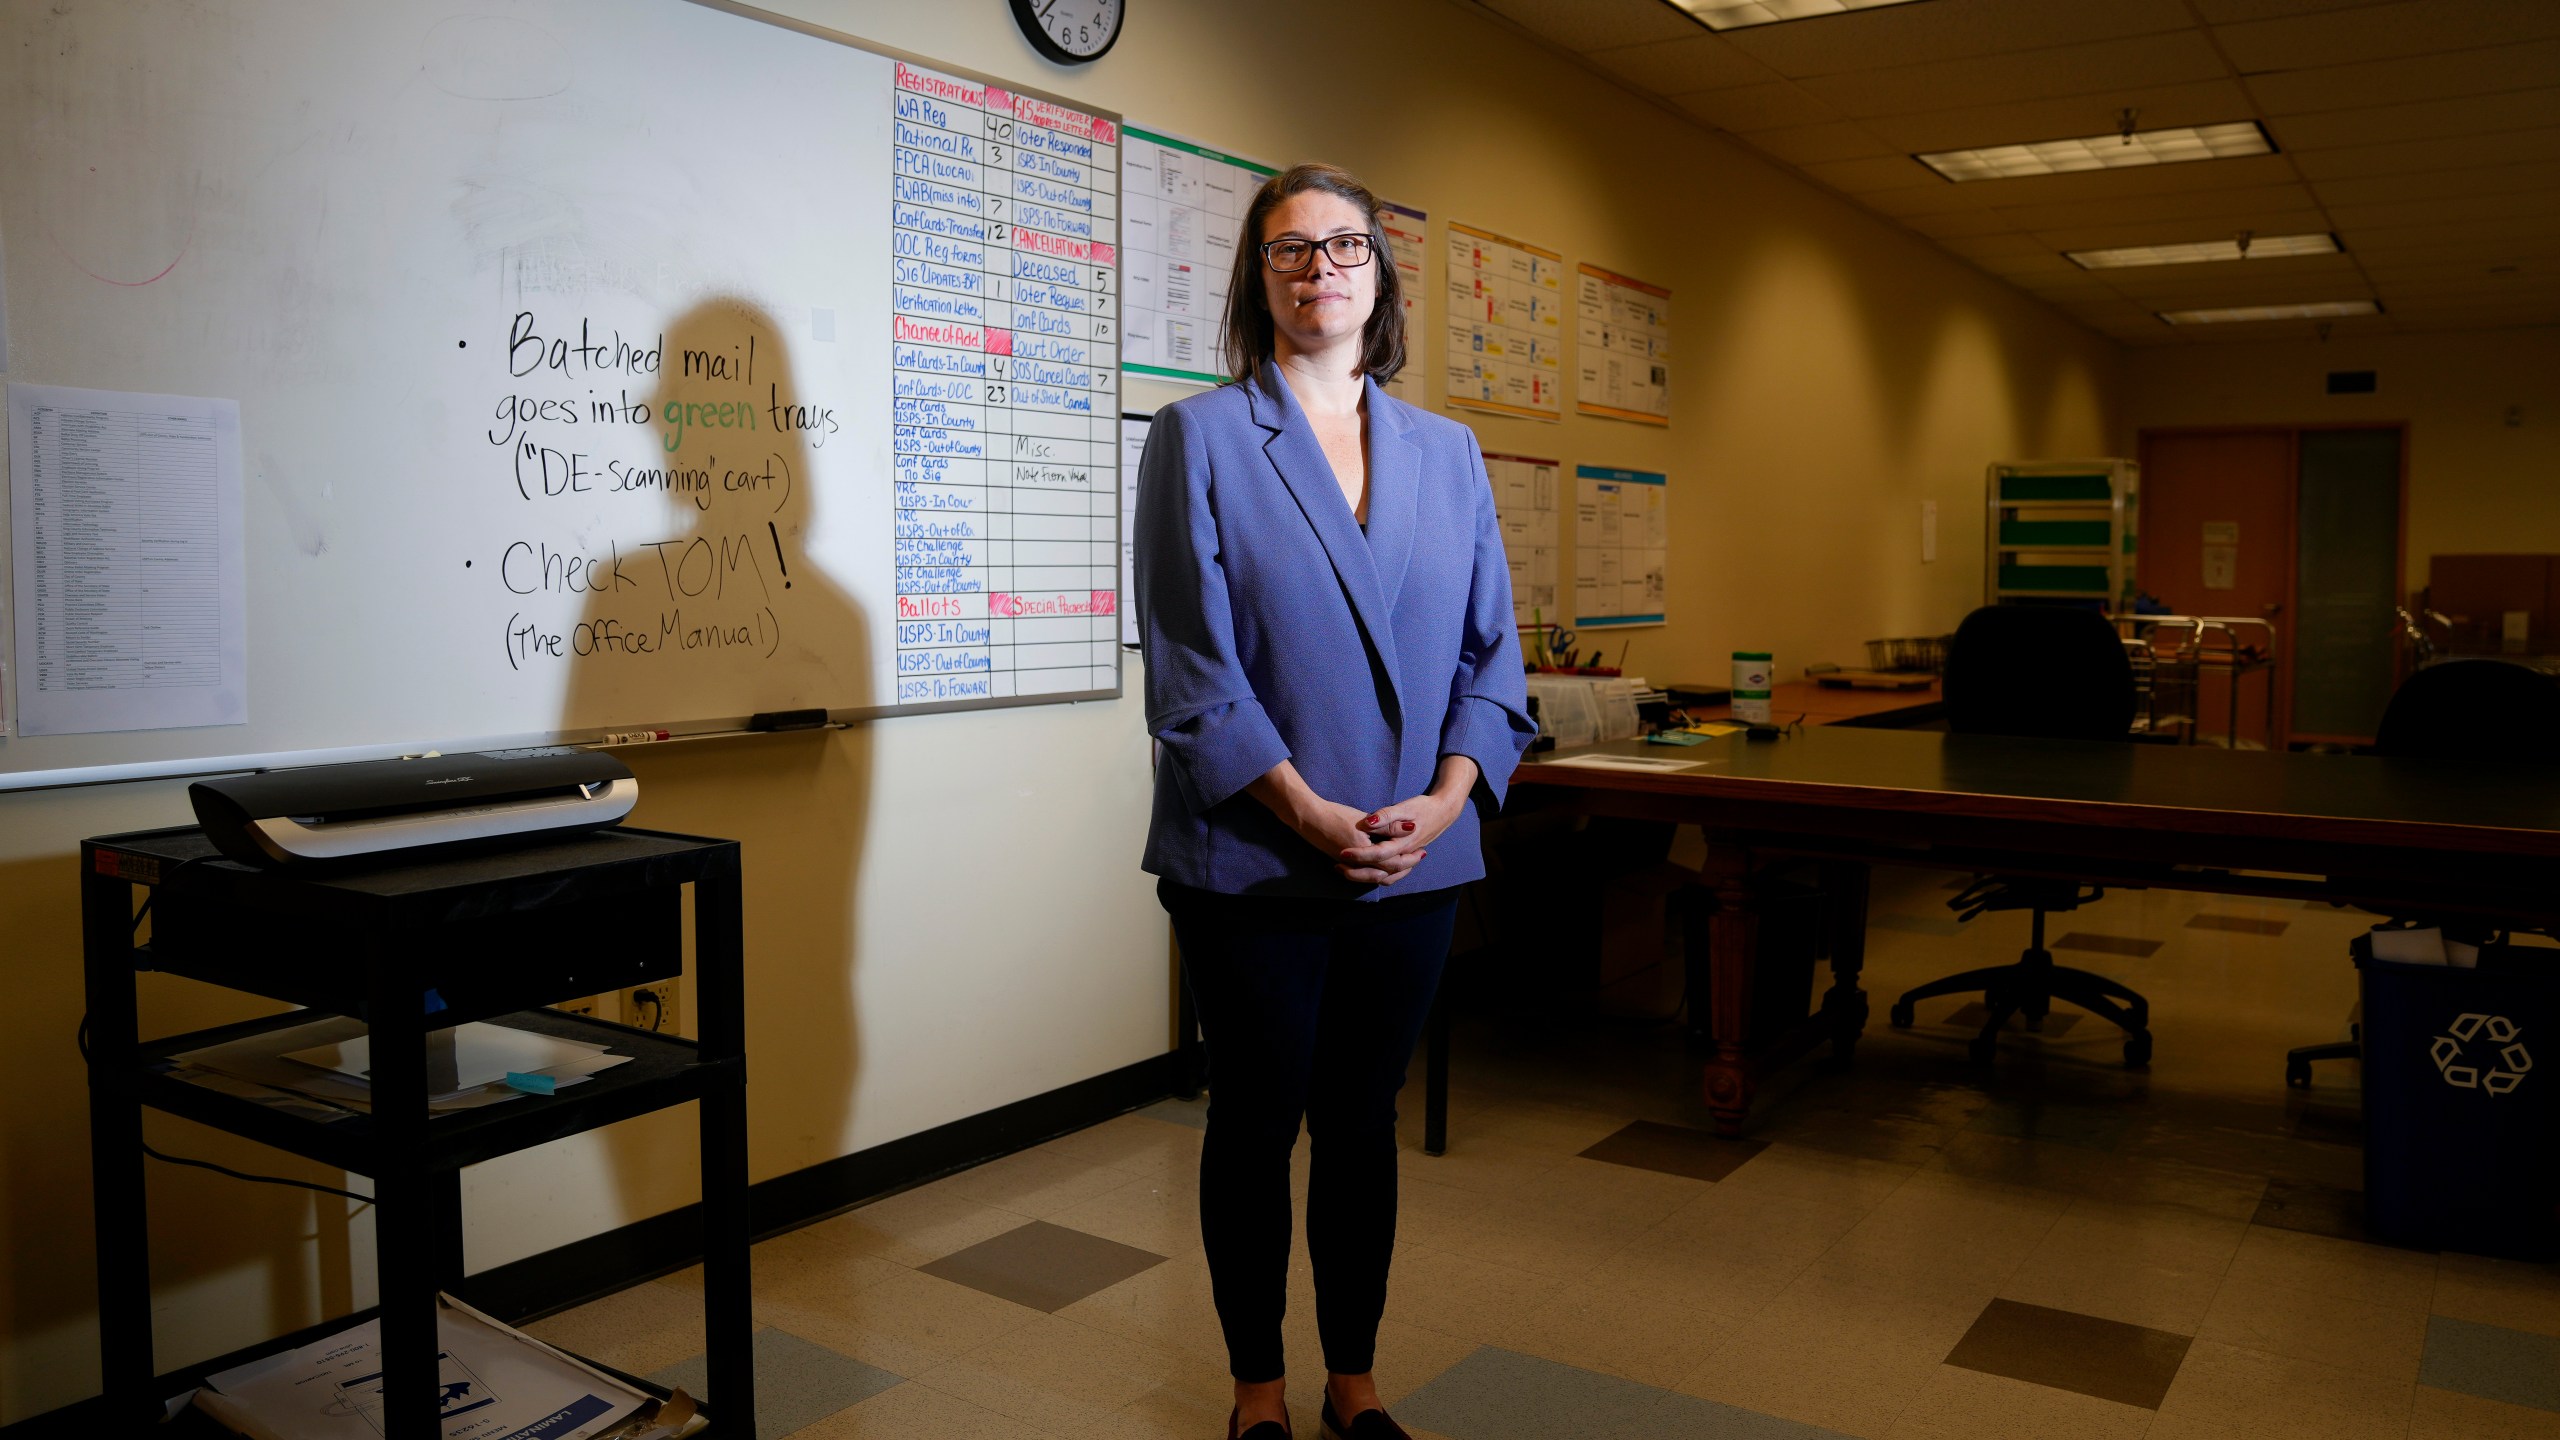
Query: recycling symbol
pixel 2455 1061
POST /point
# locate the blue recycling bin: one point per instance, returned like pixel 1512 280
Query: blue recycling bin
pixel 2462 1102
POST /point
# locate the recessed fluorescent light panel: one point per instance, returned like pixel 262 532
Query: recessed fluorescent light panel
pixel 2103 152
pixel 2320 310
pixel 1737 14
pixel 2261 247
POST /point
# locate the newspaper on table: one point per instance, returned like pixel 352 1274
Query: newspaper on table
pixel 499 1384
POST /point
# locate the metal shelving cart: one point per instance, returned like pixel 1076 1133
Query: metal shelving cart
pixel 412 948
pixel 2172 655
pixel 2062 531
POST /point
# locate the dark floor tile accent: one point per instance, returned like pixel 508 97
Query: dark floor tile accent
pixel 2129 1364
pixel 1675 1150
pixel 2239 924
pixel 1971 1015
pixel 1044 1266
pixel 2090 1127
pixel 2312 1208
pixel 2492 1362
pixel 1941 926
pixel 1497 1394
pixel 798 1382
pixel 2106 944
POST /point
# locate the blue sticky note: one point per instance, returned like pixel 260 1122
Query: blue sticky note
pixel 531 1084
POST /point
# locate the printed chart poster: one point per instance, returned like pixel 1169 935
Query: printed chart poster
pixel 1506 325
pixel 1524 497
pixel 131 600
pixel 1408 232
pixel 1626 348
pixel 1181 205
pixel 1133 444
pixel 1622 546
pixel 1004 349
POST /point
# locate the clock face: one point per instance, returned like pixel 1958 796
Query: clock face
pixel 1070 31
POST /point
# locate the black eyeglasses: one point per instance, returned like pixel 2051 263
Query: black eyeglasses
pixel 1287 257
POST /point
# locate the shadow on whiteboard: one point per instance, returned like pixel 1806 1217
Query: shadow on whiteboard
pixel 729 561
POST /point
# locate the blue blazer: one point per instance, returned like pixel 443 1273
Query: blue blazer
pixel 1274 629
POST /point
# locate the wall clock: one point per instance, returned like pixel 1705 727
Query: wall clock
pixel 1071 32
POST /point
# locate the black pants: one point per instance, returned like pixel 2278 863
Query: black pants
pixel 1309 1008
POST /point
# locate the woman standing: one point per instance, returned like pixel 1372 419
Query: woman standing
pixel 1335 683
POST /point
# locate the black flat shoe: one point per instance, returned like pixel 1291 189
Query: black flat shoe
pixel 1369 1424
pixel 1266 1430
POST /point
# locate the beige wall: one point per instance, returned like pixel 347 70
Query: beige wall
pixel 2483 410
pixel 1832 372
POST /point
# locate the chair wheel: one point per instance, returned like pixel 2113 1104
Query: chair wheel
pixel 1982 1049
pixel 1902 1015
pixel 2297 1073
pixel 2137 1050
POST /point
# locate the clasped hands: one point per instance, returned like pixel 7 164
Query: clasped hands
pixel 1371 847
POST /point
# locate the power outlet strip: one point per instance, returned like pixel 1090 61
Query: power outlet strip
pixel 658 1006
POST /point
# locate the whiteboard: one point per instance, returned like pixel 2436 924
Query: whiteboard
pixel 601 364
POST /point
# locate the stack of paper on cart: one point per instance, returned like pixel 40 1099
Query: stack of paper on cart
pixel 319 1069
pixel 498 1384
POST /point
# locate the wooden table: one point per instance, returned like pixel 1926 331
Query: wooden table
pixel 2389 834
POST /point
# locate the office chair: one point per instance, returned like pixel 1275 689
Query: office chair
pixel 2048 672
pixel 2483 708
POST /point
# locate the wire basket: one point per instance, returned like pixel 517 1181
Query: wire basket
pixel 1921 654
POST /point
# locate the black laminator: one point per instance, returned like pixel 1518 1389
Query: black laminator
pixel 377 807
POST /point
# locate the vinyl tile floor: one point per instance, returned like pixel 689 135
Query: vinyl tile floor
pixel 2055 1247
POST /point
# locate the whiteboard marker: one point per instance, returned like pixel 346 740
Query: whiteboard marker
pixel 635 737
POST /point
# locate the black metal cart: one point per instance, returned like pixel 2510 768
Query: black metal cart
pixel 411 948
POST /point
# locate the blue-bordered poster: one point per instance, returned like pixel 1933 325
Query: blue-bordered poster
pixel 1621 546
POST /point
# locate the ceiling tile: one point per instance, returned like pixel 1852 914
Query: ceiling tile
pixel 2017 122
pixel 2138 62
pixel 2446 209
pixel 2543 177
pixel 2383 32
pixel 2254 285
pixel 2514 239
pixel 1944 225
pixel 1596 24
pixel 2213 205
pixel 2006 244
pixel 1949 30
pixel 1873 172
pixel 2401 157
pixel 1675 67
pixel 2421 120
pixel 1757 107
pixel 1807 144
pixel 2224 12
pixel 2416 77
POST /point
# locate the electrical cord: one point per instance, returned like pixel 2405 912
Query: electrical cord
pixel 167 1159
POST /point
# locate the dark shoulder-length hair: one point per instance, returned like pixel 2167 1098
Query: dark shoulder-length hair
pixel 1249 323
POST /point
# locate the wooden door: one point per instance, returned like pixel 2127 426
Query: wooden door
pixel 2217 540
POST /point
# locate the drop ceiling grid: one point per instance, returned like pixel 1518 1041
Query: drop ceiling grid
pixel 2424 133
